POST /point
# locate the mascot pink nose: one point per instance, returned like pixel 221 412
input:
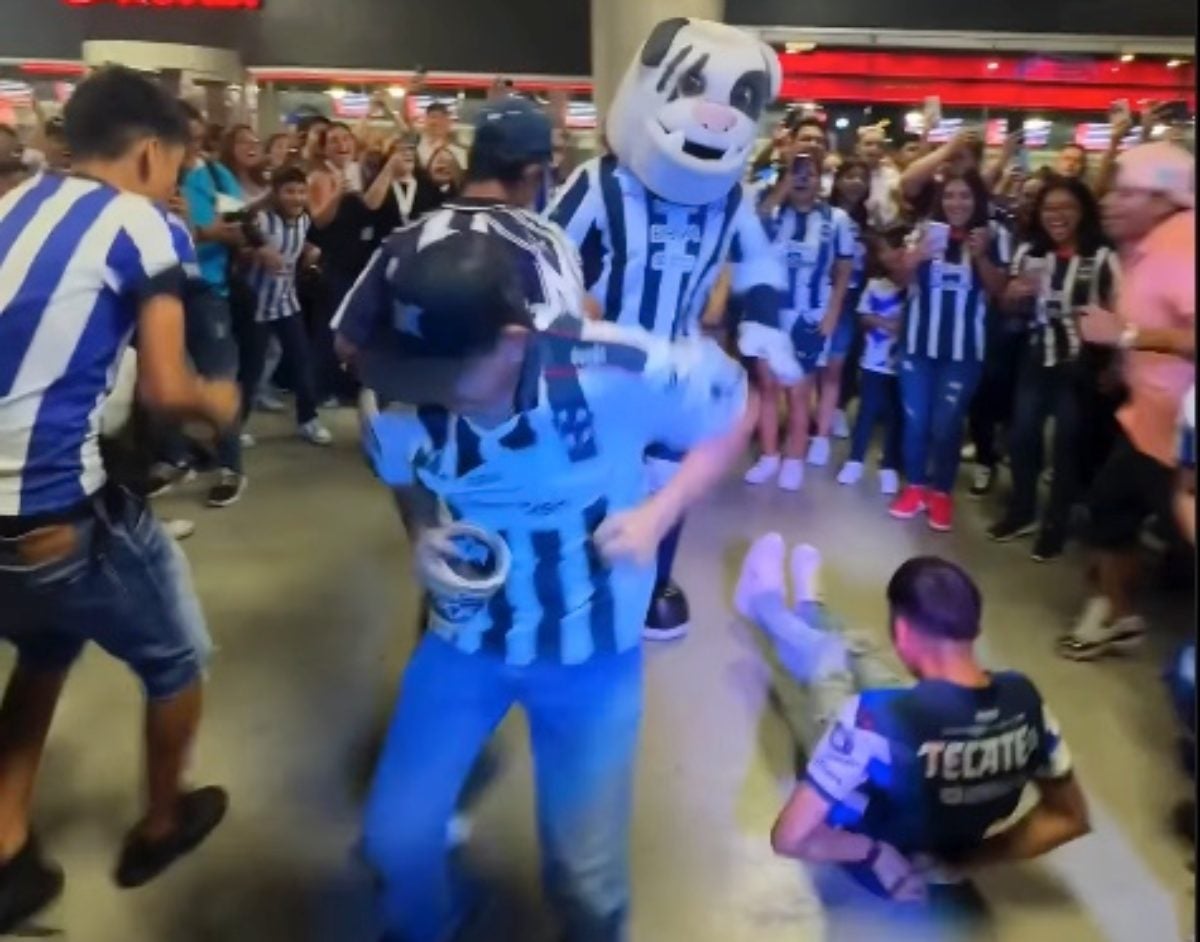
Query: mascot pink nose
pixel 714 117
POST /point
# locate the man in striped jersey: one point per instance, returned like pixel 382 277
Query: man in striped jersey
pixel 536 436
pixel 284 226
pixel 84 260
pixel 658 219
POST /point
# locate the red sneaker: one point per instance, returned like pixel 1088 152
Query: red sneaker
pixel 941 512
pixel 912 501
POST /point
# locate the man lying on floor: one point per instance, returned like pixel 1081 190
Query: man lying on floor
pixel 907 779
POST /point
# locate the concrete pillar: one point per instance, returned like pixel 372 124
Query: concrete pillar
pixel 620 27
pixel 270 119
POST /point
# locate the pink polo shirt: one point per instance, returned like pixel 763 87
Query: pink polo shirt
pixel 1158 291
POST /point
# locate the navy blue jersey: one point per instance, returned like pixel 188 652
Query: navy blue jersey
pixel 932 768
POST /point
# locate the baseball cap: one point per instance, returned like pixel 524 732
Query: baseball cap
pixel 457 296
pixel 514 130
pixel 1162 168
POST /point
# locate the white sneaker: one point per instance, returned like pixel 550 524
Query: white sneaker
pixel 315 433
pixel 179 529
pixel 791 474
pixel 889 482
pixel 841 425
pixel 818 452
pixel 806 573
pixel 763 470
pixel 851 473
pixel 761 575
pixel 1094 635
pixel 247 440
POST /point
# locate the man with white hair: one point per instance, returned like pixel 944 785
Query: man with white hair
pixel 1149 214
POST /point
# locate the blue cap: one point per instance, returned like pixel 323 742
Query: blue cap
pixel 514 130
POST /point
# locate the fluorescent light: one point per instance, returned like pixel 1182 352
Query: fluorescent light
pixel 842 123
pixel 993 65
pixel 336 93
pixel 397 91
pixel 800 47
pixel 1174 63
pixel 1128 57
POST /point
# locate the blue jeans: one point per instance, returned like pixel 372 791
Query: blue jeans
pixel 878 404
pixel 124 584
pixel 583 723
pixel 935 395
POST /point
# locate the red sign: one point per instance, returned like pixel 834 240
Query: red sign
pixel 171 4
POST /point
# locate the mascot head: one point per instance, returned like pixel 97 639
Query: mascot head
pixel 685 117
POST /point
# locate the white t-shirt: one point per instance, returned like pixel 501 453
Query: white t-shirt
pixel 882 298
pixel 883 207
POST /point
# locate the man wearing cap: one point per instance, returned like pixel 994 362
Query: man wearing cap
pixel 1149 214
pixel 517 431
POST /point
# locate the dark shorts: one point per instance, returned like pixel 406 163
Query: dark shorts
pixel 1128 488
pixel 811 346
pixel 125 585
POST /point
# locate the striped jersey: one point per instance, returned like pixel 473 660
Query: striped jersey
pixel 947 316
pixel 651 263
pixel 1185 449
pixel 809 244
pixel 592 397
pixel 548 263
pixel 275 292
pixel 881 298
pixel 1067 283
pixel 77 259
pixel 931 768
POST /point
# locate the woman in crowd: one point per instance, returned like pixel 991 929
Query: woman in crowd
pixel 851 189
pixel 279 150
pixel 1063 267
pixel 446 173
pixel 951 273
pixel 412 194
pixel 242 156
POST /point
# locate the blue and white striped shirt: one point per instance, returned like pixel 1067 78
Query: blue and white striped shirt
pixel 651 263
pixel 592 398
pixel 809 244
pixel 77 259
pixel 275 292
pixel 947 317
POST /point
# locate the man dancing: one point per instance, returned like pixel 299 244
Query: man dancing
pixel 902 776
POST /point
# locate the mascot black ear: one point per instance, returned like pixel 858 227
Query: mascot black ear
pixel 659 43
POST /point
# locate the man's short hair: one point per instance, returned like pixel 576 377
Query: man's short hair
pixel 113 108
pixel 809 121
pixel 936 598
pixel 290 173
pixel 437 108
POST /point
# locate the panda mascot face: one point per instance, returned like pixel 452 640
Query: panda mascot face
pixel 685 117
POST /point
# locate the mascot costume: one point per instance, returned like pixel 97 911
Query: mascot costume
pixel 658 219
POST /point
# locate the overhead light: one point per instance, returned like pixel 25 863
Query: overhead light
pixel 336 93
pixel 914 117
pixel 800 47
pixel 1128 57
pixel 993 65
pixel 397 91
pixel 1174 63
pixel 842 123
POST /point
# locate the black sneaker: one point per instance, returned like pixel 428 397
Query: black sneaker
pixel 668 616
pixel 982 481
pixel 165 476
pixel 200 811
pixel 1009 529
pixel 27 885
pixel 228 490
pixel 1048 546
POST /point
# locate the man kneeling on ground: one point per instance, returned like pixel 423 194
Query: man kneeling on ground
pixel 902 778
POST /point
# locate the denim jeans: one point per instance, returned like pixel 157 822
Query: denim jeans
pixel 583 723
pixel 935 395
pixel 878 405
pixel 212 344
pixel 125 584
pixel 1044 392
pixel 293 342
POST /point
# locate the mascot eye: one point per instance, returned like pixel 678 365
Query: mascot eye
pixel 692 84
pixel 749 94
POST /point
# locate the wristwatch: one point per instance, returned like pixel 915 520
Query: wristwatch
pixel 1128 338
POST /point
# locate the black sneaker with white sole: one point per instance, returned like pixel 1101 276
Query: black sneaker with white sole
pixel 200 812
pixel 1049 545
pixel 165 476
pixel 668 617
pixel 228 490
pixel 1010 528
pixel 982 481
pixel 28 884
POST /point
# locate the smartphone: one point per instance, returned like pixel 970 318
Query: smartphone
pixel 803 169
pixel 937 237
pixel 933 112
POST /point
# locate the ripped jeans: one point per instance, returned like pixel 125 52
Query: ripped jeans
pixel 935 396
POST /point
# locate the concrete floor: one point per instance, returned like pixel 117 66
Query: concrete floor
pixel 306 588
